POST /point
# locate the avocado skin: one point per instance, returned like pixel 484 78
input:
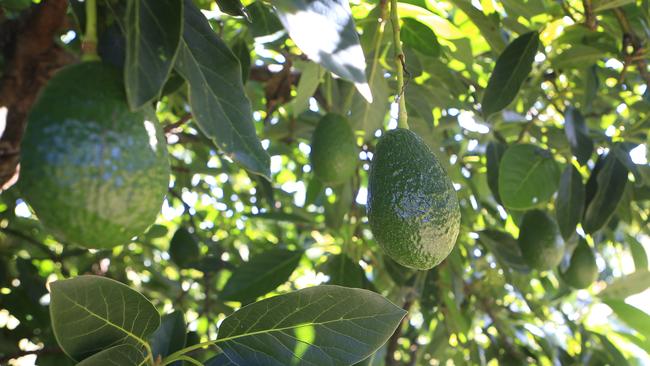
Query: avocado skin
pixel 412 205
pixel 582 270
pixel 333 150
pixel 540 241
pixel 94 172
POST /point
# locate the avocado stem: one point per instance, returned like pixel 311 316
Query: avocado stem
pixel 89 45
pixel 400 65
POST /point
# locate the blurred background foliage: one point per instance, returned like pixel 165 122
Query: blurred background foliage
pixel 482 305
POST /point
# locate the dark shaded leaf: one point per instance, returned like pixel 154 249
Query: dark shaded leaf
pixel 91 313
pixel 576 132
pixel 183 248
pixel 219 360
pixel 510 72
pixel 528 176
pixel 263 273
pixel 153 33
pixel 419 37
pixel 610 181
pixel 335 211
pixel 240 49
pixel 318 325
pixel 345 272
pixel 169 337
pixel 232 7
pixel 123 355
pixel 570 202
pixel 577 57
pixel 219 105
pixel 493 153
pixel 263 20
pixel 504 248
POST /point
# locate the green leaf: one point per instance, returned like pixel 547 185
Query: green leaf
pixel 504 248
pixel 122 355
pixel 335 45
pixel 153 33
pixel 489 28
pixel 510 72
pixel 240 49
pixel 638 252
pixel 601 5
pixel 570 201
pixel 183 248
pixel 335 211
pixel 493 154
pixel 219 105
pixel 310 77
pixel 169 337
pixel 232 7
pixel 369 117
pixel 343 271
pixel 611 181
pixel 579 56
pixel 92 313
pixel 322 325
pixel 263 20
pixel 627 285
pixel 419 37
pixel 528 176
pixel 576 132
pixel 219 360
pixel 635 318
pixel 262 274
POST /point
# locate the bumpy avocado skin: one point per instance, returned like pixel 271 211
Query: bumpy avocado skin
pixel 412 205
pixel 333 150
pixel 540 241
pixel 94 172
pixel 582 270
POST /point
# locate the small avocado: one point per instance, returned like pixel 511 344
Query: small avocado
pixel 582 270
pixel 412 205
pixel 334 151
pixel 539 240
pixel 95 172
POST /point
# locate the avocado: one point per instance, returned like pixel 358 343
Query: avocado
pixel 539 240
pixel 582 270
pixel 334 151
pixel 95 172
pixel 412 205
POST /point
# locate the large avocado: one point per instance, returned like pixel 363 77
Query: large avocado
pixel 333 150
pixel 412 205
pixel 94 172
pixel 582 270
pixel 540 241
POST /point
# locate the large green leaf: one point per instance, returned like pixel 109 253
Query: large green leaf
pixel 570 201
pixel 627 285
pixel 577 57
pixel 528 176
pixel 493 154
pixel 323 325
pixel 510 72
pixel 184 248
pixel 576 132
pixel 263 20
pixel 92 313
pixel 420 37
pixel 505 248
pixel 610 185
pixel 219 360
pixel 219 105
pixel 169 337
pixel 121 355
pixel 153 33
pixel 335 45
pixel 635 318
pixel 263 273
pixel 369 117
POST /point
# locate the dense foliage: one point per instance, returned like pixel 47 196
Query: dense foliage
pixel 538 111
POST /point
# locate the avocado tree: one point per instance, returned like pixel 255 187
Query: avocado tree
pixel 324 182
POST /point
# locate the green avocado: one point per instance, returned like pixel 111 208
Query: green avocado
pixel 412 205
pixel 582 270
pixel 94 172
pixel 539 240
pixel 333 150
